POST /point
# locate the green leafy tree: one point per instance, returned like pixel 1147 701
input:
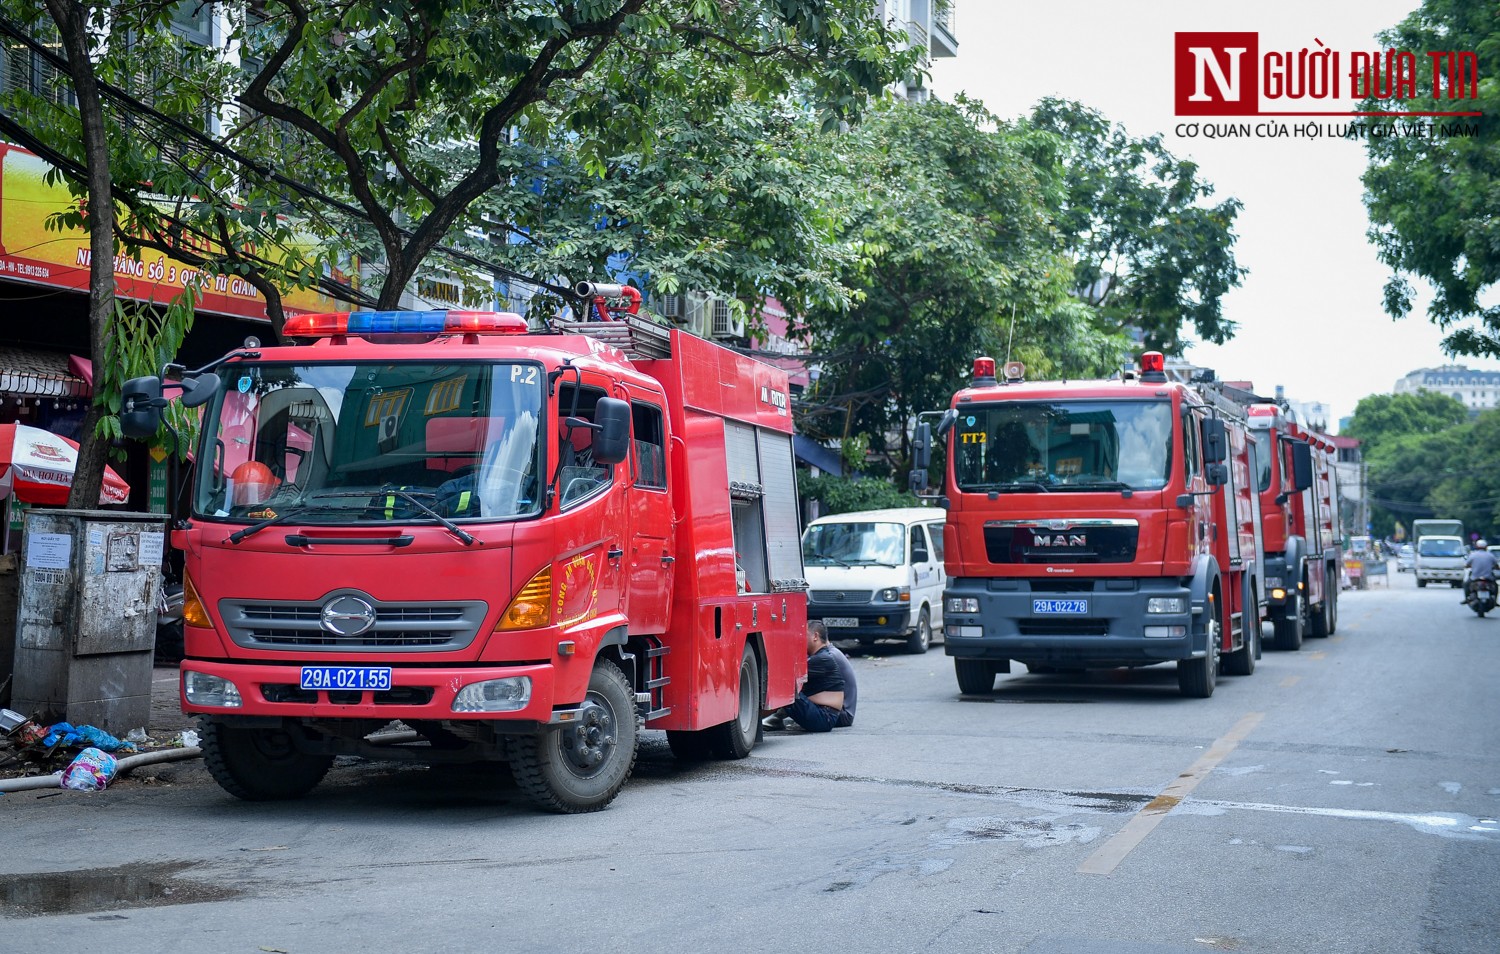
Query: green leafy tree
pixel 946 215
pixel 1434 201
pixel 357 88
pixel 1468 487
pixel 1150 253
pixel 1410 444
pixel 836 494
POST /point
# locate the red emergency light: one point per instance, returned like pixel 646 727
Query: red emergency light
pixel 984 371
pixel 1154 367
pixel 373 324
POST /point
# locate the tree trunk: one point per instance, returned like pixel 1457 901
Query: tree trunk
pixel 71 18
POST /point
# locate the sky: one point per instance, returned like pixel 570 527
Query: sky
pixel 1309 312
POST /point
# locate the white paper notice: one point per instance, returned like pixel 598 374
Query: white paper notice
pixel 150 550
pixel 48 551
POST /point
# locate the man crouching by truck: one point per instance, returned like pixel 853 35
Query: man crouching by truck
pixel 828 697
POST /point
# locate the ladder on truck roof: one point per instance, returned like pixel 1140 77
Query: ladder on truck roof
pixel 638 338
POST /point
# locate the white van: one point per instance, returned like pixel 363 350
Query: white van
pixel 1440 560
pixel 877 574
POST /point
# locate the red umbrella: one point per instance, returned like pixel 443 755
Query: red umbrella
pixel 37 466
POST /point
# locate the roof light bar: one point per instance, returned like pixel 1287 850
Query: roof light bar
pixel 369 324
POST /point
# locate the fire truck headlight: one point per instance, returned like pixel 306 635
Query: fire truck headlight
pixel 1166 604
pixel 201 689
pixel 962 604
pixel 1278 593
pixel 494 695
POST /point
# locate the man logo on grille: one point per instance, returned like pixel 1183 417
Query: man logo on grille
pixel 347 616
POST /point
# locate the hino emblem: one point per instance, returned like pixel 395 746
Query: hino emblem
pixel 1059 540
pixel 347 615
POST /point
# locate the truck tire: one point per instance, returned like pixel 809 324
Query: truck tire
pixel 1421 582
pixel 1196 678
pixel 975 677
pixel 1321 627
pixel 1289 629
pixel 1333 602
pixel 582 766
pixel 921 636
pixel 259 765
pixel 734 739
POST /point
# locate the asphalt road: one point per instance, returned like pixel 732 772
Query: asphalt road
pixel 1341 799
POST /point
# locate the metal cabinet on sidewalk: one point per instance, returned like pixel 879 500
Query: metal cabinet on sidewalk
pixel 90 585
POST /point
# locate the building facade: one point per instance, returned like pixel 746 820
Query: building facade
pixel 930 26
pixel 1477 390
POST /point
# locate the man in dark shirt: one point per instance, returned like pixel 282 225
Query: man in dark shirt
pixel 827 698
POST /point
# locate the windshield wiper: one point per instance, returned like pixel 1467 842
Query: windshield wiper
pixel 282 517
pixel 833 559
pixel 1097 485
pixel 463 535
pixel 1019 486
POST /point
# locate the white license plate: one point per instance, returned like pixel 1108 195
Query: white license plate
pixel 346 677
pixel 1066 607
pixel 841 622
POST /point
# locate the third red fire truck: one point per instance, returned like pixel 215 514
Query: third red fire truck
pixel 1099 524
pixel 522 546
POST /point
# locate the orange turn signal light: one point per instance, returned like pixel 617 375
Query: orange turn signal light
pixel 532 607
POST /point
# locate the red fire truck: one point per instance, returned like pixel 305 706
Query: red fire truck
pixel 523 546
pixel 1300 502
pixel 1098 524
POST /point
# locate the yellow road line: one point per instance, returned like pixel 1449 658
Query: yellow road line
pixel 1290 681
pixel 1142 823
pixel 1315 656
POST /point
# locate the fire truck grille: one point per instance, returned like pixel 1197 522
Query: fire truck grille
pixel 398 627
pixel 1094 544
pixel 839 596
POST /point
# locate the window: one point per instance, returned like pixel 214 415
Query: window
pixel 935 531
pixel 578 477
pixel 919 551
pixel 1189 444
pixel 649 443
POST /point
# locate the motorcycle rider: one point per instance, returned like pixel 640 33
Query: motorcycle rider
pixel 1481 563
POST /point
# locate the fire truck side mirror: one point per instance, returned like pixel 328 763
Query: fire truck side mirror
pixel 1215 445
pixel 197 391
pixel 1302 465
pixel 1217 475
pixel 921 447
pixel 140 407
pixel 612 439
pixel 918 481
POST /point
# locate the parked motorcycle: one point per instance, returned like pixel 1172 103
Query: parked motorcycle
pixel 1482 597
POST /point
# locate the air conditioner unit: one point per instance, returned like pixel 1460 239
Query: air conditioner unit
pixel 673 307
pixel 726 323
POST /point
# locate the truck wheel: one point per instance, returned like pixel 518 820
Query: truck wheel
pixel 1333 601
pixel 975 677
pixel 259 765
pixel 921 637
pixel 1288 630
pixel 734 739
pixel 1421 582
pixel 1320 628
pixel 582 766
pixel 1196 677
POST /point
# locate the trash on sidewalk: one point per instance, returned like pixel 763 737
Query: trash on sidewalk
pixel 188 739
pixel 90 771
pixel 83 736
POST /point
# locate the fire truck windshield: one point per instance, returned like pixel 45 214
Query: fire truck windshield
pixel 1060 446
pixel 344 443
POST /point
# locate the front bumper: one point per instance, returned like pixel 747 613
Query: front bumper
pixel 1443 575
pixel 887 620
pixel 1112 632
pixel 415 693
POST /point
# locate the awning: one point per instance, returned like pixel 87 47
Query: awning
pixel 33 371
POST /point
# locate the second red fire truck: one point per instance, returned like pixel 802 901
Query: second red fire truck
pixel 522 546
pixel 1099 524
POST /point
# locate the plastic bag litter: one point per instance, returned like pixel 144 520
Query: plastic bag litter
pixel 90 771
pixel 189 738
pixel 137 735
pixel 63 733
